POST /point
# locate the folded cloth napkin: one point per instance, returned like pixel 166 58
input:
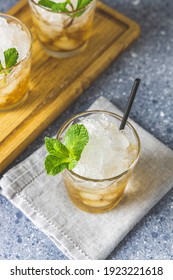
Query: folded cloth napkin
pixel 80 235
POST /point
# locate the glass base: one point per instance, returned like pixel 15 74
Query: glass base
pixel 64 54
pixel 15 105
pixel 96 210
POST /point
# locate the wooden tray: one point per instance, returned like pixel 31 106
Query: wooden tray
pixel 56 83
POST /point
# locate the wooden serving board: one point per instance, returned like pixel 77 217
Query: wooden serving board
pixel 56 83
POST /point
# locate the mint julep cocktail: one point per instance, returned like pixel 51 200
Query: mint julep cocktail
pixel 15 61
pixel 98 159
pixel 63 27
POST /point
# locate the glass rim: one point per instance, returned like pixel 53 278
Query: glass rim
pixel 65 13
pixel 30 39
pixel 68 121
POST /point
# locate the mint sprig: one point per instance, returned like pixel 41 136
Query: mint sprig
pixel 55 7
pixel 66 156
pixel 11 57
pixel 63 6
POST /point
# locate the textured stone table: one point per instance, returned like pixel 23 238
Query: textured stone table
pixel 150 58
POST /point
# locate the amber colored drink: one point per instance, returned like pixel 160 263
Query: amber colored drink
pixel 14 81
pixel 62 34
pixel 15 85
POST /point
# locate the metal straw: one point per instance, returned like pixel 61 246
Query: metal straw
pixel 130 103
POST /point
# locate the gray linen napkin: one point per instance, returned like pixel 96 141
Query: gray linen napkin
pixel 78 234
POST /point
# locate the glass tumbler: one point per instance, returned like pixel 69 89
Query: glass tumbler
pixel 100 195
pixel 63 34
pixel 14 81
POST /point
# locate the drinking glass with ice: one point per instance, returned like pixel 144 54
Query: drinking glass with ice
pixel 63 27
pixel 15 61
pixel 96 183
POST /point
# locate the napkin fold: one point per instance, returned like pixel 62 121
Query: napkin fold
pixel 80 235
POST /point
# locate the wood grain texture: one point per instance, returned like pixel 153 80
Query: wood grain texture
pixel 56 83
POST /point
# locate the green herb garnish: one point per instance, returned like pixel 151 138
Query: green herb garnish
pixel 1 67
pixel 11 56
pixel 62 7
pixel 83 3
pixel 67 155
pixel 55 7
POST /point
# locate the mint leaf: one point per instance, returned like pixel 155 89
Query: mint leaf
pixel 60 7
pixel 76 139
pixel 55 165
pixel 82 3
pixel 46 3
pixel 55 7
pixel 56 148
pixel 11 56
pixel 1 67
pixel 65 156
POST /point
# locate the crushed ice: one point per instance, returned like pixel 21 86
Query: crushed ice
pixel 12 36
pixel 106 154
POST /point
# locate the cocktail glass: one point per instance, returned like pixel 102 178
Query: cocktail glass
pixel 102 194
pixel 14 81
pixel 63 34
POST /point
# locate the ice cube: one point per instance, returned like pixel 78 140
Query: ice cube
pixel 66 44
pixel 90 196
pixel 96 203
